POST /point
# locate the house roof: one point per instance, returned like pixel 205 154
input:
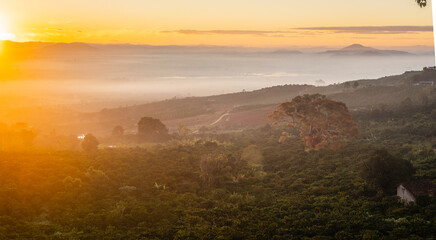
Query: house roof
pixel 421 187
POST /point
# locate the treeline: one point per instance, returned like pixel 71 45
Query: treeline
pixel 406 107
pixel 18 136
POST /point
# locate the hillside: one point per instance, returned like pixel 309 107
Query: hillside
pixel 245 109
pixel 252 108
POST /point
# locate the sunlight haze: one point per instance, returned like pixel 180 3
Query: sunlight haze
pixel 217 119
pixel 243 23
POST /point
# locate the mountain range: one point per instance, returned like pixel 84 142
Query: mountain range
pixel 43 48
pixel 360 50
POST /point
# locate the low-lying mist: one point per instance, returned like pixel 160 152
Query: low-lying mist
pixel 116 75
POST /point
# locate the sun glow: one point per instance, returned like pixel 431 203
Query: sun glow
pixel 4 29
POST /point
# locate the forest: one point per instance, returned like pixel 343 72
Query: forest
pixel 217 120
pixel 237 185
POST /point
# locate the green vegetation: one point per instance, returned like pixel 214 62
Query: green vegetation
pixel 228 186
pixel 382 170
pixel 214 183
pixel 152 130
pixel 90 143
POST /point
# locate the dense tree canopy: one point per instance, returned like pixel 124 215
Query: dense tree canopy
pixel 90 143
pixel 18 136
pixel 385 171
pixel 151 129
pixel 320 122
pixel 118 131
pixel 240 185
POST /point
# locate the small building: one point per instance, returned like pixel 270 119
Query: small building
pixel 426 83
pixel 409 191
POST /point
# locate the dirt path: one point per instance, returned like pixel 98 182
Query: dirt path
pixel 220 118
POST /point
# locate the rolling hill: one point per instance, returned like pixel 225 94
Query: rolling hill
pixel 233 111
pixel 251 109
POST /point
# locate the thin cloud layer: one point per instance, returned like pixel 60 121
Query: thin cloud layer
pixel 229 32
pixel 311 31
pixel 373 29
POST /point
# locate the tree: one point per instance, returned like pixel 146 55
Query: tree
pixel 355 84
pixel 215 169
pixel 347 85
pixel 90 143
pixel 253 156
pixel 153 130
pixel 320 122
pixel 385 171
pixel 3 135
pixel 183 130
pixel 421 3
pixel 118 131
pixel 424 100
pixel 406 105
pixel 20 136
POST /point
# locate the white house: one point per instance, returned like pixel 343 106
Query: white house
pixel 405 195
pixel 409 191
pixel 426 83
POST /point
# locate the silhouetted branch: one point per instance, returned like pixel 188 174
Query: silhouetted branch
pixel 421 3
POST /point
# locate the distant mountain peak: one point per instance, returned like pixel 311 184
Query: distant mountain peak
pixel 357 47
pixel 67 48
pixel 72 46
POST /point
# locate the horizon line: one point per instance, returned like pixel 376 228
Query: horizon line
pixel 212 45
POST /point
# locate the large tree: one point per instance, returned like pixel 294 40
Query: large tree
pixel 152 130
pixel 118 131
pixel 90 143
pixel 320 122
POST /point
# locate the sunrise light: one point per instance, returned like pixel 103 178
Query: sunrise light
pixel 217 119
pixel 4 29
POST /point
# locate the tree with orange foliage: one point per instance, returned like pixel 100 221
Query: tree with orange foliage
pixel 320 122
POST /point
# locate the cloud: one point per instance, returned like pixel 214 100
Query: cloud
pixel 54 29
pixel 230 32
pixel 275 74
pixel 372 29
pixel 311 31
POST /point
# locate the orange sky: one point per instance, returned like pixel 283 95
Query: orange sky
pixel 219 22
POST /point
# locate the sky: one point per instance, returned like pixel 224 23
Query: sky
pixel 219 22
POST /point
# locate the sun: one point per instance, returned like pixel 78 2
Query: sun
pixel 4 29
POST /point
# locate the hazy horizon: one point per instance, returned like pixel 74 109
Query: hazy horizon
pixel 141 73
pixel 135 51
